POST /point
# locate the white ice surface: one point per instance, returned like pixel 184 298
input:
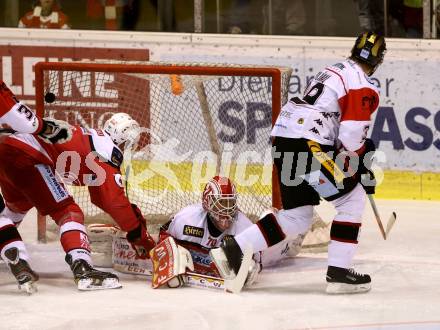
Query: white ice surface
pixel 405 274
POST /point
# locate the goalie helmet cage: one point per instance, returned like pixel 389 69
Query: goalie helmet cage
pixel 198 120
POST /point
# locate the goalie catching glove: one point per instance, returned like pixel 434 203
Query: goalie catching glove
pixel 139 238
pixel 55 131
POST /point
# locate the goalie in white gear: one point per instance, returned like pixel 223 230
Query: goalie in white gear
pixel 202 226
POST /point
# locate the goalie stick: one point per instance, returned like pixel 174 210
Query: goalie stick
pixel 391 220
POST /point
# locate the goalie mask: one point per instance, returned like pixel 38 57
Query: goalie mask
pixel 220 201
pixel 369 49
pixel 123 129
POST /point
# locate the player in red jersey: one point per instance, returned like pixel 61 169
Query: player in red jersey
pixel 29 169
pixel 313 138
pixel 17 117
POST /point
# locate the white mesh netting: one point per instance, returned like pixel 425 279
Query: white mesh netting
pixel 195 126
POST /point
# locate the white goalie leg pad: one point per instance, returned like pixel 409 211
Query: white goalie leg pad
pixel 295 221
pixel 253 272
pixel 101 240
pixel 124 257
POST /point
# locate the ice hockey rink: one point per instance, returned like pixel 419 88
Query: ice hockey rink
pixel 405 293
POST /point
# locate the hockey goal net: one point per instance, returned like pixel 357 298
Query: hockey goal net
pixel 198 120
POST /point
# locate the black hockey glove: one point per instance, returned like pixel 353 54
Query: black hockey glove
pixel 366 157
pixel 368 182
pixel 55 131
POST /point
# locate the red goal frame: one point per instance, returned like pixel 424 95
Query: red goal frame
pixel 274 73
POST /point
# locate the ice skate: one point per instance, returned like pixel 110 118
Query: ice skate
pixel 88 278
pixel 23 273
pixel 343 280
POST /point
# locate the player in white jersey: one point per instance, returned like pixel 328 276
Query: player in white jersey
pixel 321 151
pixel 203 226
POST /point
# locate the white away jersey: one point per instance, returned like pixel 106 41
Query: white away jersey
pixel 190 224
pixel 337 105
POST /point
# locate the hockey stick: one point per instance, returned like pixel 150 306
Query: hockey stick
pixel 391 220
pixel 390 223
pixel 376 215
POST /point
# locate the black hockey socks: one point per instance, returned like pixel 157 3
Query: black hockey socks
pixel 271 229
pixel 346 232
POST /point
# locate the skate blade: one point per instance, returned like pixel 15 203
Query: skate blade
pixel 108 283
pixel 344 288
pixel 28 287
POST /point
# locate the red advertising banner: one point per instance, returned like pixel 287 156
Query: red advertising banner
pixel 17 71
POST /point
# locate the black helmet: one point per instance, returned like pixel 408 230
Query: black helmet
pixel 370 49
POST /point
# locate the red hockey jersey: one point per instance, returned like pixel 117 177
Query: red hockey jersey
pixel 336 108
pixel 90 159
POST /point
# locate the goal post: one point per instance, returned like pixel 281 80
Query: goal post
pixel 198 120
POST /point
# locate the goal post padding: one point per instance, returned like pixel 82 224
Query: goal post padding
pixel 198 120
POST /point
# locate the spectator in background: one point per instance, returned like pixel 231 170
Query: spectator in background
pixel 288 17
pixel 130 15
pixel 166 12
pixel 413 18
pixel 371 16
pixel 239 17
pixel 104 13
pixel 46 15
pixel 395 19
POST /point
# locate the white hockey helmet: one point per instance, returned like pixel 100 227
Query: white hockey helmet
pixel 219 198
pixel 122 128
